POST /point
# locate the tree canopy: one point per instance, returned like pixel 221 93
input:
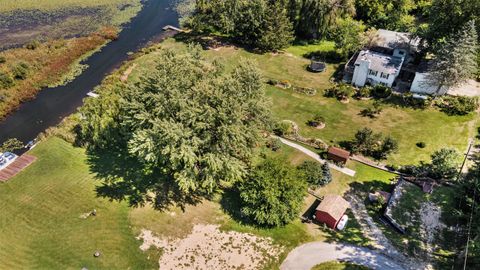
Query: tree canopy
pixel 188 122
pixel 273 195
pixel 455 60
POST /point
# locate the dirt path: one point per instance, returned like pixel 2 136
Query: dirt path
pixel 308 255
pixel 375 234
pixel 127 72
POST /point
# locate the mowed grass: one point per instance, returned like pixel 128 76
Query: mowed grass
pixel 409 126
pixel 40 223
pixel 334 265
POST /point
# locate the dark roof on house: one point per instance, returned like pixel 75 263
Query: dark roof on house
pixel 339 152
pixel 334 205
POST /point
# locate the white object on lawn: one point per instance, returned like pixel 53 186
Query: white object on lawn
pixel 342 223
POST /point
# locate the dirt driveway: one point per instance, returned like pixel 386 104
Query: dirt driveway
pixel 308 255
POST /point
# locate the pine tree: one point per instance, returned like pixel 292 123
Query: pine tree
pixel 455 60
pixel 278 30
pixel 327 174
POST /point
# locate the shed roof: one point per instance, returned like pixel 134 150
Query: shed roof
pixel 339 152
pixel 334 205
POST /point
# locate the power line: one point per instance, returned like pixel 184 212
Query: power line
pixel 470 226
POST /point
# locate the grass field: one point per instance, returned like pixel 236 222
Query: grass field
pixel 338 266
pixel 41 224
pixel 409 126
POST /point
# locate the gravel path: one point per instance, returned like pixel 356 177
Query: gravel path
pixel 371 230
pixel 315 156
pixel 308 255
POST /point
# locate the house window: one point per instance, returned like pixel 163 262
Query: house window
pixel 372 72
pixel 384 75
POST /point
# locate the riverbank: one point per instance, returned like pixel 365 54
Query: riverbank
pixel 25 71
pixel 51 105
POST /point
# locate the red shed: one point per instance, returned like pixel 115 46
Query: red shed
pixel 338 155
pixel 331 210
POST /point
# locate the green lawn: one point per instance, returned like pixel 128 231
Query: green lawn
pixel 409 126
pixel 40 223
pixel 333 265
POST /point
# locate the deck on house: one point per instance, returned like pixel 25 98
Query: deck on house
pixel 15 167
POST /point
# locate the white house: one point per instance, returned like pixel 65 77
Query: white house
pixel 382 63
pixel 377 68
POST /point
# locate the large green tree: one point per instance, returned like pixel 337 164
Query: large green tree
pixel 315 18
pixel 389 14
pixel 188 122
pixel 273 195
pixel 447 17
pixel 455 60
pixel 259 23
pixel 348 35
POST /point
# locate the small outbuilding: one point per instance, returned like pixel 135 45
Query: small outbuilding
pixel 338 155
pixel 331 210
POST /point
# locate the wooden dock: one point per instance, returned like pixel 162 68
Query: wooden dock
pixel 172 28
pixel 16 166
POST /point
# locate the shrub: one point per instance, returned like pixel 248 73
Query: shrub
pixel 381 91
pixel 373 111
pixel 2 59
pixel 32 45
pixel 274 144
pixel 283 128
pixel 421 145
pixel 6 80
pixel 373 144
pixel 458 105
pixel 418 103
pixel 316 121
pixel 11 144
pixel 305 90
pixel 20 71
pixel 341 91
pixel 364 92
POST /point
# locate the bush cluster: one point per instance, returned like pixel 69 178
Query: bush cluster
pixel 373 144
pixel 6 80
pixel 316 121
pixel 381 91
pixel 453 105
pixel 341 91
pixel 20 71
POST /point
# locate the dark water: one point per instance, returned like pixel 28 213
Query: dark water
pixel 53 104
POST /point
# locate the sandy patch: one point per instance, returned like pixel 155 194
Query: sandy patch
pixel 206 247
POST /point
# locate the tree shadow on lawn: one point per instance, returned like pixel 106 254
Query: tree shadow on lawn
pixel 124 178
pixel 231 203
